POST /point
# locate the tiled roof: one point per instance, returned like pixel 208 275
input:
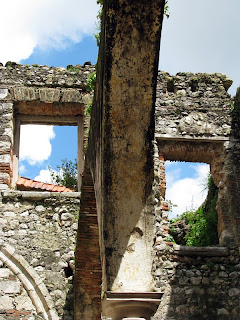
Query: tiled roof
pixel 25 184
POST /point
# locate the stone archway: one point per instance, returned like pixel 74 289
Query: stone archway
pixel 33 284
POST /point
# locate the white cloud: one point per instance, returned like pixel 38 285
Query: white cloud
pixel 26 24
pixel 44 176
pixel 35 146
pixel 189 192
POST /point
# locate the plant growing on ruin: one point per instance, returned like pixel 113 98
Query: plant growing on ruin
pixel 203 221
pixel 66 174
pixel 98 23
pixel 71 68
pixel 166 10
pixel 91 81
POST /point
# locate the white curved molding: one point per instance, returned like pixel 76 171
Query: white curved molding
pixel 131 305
pixel 31 281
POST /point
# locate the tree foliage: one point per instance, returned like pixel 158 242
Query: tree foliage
pixel 203 221
pixel 66 174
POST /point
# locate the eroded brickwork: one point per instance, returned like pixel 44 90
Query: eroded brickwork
pixel 88 275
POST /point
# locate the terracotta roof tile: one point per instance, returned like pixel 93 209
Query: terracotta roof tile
pixel 21 180
pixel 28 182
pixel 55 189
pixel 33 185
pixel 61 188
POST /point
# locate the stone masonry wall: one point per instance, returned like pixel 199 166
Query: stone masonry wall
pixel 37 91
pixel 193 106
pixel 13 74
pixel 41 227
pixel 197 286
pixel 194 122
pixel 14 299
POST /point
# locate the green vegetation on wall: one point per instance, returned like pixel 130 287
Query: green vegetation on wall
pixel 201 223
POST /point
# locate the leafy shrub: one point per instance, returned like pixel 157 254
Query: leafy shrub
pixel 67 175
pixel 203 221
pixel 91 81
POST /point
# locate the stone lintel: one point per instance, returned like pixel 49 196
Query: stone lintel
pixel 216 139
pixel 212 251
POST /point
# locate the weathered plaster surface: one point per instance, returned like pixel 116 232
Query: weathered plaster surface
pixel 129 69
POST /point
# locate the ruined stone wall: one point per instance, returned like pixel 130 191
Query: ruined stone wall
pixel 13 74
pixel 193 106
pixel 195 121
pixel 197 285
pixel 40 228
pixel 37 91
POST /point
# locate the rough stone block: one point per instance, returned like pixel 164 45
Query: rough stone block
pixel 24 302
pixel 6 301
pixel 4 177
pixel 4 273
pixel 7 107
pixel 9 214
pixel 71 95
pixel 4 187
pixel 5 146
pixel 10 286
pixel 3 93
pixel 49 95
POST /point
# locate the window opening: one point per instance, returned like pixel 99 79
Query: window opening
pixel 41 148
pixel 192 196
pixel 186 185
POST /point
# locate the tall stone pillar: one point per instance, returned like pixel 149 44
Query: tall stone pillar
pixel 120 148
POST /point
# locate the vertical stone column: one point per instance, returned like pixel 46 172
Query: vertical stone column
pixel 131 62
pixel 6 143
pixel 120 149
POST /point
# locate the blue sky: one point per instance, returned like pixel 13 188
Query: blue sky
pixel 74 53
pixel 199 36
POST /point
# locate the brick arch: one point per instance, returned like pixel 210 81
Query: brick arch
pixel 31 281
